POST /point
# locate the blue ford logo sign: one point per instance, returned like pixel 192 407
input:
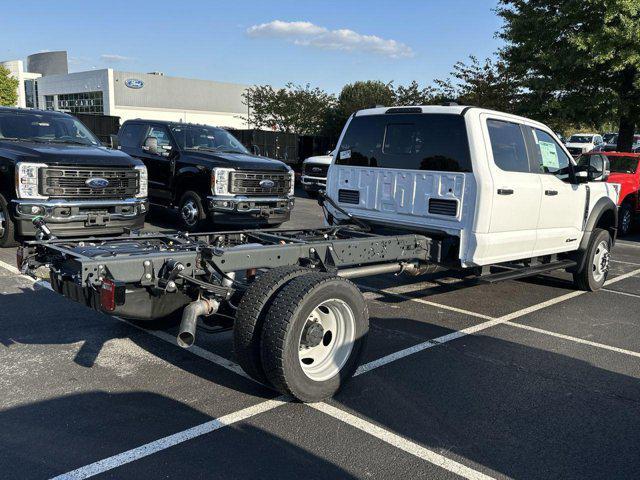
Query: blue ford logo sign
pixel 134 83
pixel 97 182
pixel 267 183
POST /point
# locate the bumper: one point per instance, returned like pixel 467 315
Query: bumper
pixel 241 209
pixel 313 183
pixel 81 217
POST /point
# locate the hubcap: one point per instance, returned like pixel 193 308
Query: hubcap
pixel 327 339
pixel 2 223
pixel 601 260
pixel 189 212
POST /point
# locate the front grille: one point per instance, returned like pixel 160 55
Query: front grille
pixel 71 182
pixel 443 207
pixel 349 196
pixel 249 183
pixel 315 170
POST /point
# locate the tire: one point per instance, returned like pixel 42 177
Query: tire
pixel 8 239
pixel 625 219
pixel 307 362
pixel 594 272
pixel 191 212
pixel 250 316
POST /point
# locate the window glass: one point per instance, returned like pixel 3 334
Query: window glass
pixel 44 128
pixel 619 164
pixel 131 135
pixel 203 137
pixel 508 146
pixel 550 156
pixel 161 134
pixel 407 141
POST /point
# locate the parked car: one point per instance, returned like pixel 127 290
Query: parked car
pixel 612 145
pixel 411 189
pixel 625 172
pixel 208 174
pixel 52 166
pixel 314 173
pixel 580 143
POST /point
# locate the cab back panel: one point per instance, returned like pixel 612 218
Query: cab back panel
pixel 409 198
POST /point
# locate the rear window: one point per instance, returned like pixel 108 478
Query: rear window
pixel 131 135
pixel 407 141
pixel 623 164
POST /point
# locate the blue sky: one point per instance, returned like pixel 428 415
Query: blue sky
pixel 325 43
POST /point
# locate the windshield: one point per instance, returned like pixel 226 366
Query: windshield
pixel 44 128
pixel 610 138
pixel 202 137
pixel 407 141
pixel 580 139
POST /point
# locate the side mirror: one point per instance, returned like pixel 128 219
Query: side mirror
pixel 113 142
pixel 255 149
pixel 151 145
pixel 599 169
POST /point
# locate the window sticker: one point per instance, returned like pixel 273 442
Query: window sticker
pixel 345 154
pixel 549 155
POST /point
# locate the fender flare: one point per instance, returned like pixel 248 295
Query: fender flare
pixel 191 176
pixel 602 206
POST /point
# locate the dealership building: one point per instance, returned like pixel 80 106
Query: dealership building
pixel 46 84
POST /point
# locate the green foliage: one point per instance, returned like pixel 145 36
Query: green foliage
pixel 8 88
pixel 293 109
pixel 358 95
pixel 576 61
pixel 412 94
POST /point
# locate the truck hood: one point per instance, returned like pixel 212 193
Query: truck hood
pixel 320 159
pixel 239 161
pixel 65 154
pixel 584 146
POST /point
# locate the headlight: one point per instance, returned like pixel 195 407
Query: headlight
pixel 293 182
pixel 27 180
pixel 143 190
pixel 220 181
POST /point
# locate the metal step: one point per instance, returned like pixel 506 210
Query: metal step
pixel 526 271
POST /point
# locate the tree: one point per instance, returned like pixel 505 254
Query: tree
pixel 8 88
pixel 412 94
pixel 358 95
pixel 577 61
pixel 487 85
pixel 292 109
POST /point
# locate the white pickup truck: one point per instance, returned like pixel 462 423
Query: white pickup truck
pixel 409 188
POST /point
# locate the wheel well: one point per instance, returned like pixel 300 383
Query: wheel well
pixel 185 183
pixel 607 221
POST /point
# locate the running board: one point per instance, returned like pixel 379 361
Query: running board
pixel 526 271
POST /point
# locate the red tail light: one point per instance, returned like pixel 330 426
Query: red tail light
pixel 108 296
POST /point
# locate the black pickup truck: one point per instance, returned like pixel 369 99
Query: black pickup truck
pixel 52 166
pixel 208 174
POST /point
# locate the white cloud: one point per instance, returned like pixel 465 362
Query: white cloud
pixel 309 35
pixel 110 57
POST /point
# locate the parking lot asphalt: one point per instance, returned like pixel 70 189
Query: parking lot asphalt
pixel 520 379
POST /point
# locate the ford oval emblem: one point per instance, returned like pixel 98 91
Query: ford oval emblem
pixel 266 183
pixel 97 182
pixel 316 169
pixel 134 83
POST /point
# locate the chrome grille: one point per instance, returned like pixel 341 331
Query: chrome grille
pixel 71 182
pixel 248 183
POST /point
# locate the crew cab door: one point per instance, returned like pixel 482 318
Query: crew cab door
pixel 516 193
pixel 563 201
pixel 160 161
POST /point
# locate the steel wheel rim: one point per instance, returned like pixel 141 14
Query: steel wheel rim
pixel 626 220
pixel 600 265
pixel 333 323
pixel 2 223
pixel 189 212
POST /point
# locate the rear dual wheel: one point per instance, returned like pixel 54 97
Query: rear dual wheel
pixel 313 334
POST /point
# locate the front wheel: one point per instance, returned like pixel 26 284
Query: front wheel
pixel 314 336
pixel 625 219
pixel 593 273
pixel 7 227
pixel 191 212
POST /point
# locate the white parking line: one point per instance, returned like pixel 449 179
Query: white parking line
pixel 627 244
pixel 625 263
pixel 400 442
pixel 150 448
pixel 10 268
pixel 621 293
pixel 574 339
pixel 426 302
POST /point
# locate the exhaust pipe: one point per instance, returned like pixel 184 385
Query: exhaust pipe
pixel 187 333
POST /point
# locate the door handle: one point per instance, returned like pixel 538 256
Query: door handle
pixel 550 193
pixel 505 191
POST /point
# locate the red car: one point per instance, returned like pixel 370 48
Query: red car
pixel 625 171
